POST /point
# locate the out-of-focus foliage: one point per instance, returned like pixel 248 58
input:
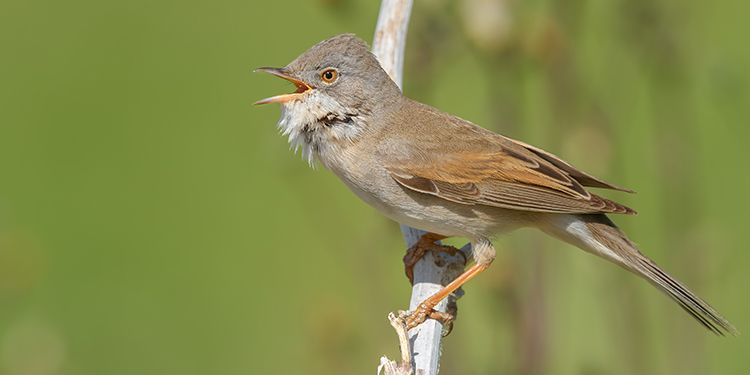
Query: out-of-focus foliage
pixel 152 221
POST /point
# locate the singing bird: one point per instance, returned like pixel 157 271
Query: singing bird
pixel 437 172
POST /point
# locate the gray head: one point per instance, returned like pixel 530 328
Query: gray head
pixel 339 84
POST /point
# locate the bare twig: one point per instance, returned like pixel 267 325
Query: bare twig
pixel 388 367
pixel 390 37
pixel 432 271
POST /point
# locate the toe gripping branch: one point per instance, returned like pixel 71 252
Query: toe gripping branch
pixel 428 242
pixel 452 280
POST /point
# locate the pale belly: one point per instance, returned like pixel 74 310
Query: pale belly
pixel 430 213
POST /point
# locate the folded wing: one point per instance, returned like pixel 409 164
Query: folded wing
pixel 507 174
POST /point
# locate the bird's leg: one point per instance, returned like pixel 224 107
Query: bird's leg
pixel 418 250
pixel 426 308
pixel 484 254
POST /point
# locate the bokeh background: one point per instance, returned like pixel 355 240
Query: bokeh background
pixel 152 221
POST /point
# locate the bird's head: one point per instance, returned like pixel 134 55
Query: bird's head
pixel 339 85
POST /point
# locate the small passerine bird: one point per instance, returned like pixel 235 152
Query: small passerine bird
pixel 445 175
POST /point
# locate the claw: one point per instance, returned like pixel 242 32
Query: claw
pixel 425 311
pixel 418 250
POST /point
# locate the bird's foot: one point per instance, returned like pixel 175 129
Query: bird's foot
pixel 418 250
pixel 427 310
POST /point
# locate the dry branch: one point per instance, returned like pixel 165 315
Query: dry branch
pixel 433 271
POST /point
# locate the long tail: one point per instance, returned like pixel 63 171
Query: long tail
pixel 597 234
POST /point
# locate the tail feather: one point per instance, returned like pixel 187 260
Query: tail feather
pixel 699 309
pixel 597 234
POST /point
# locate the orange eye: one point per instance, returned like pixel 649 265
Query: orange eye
pixel 329 75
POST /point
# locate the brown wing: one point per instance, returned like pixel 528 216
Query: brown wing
pixel 504 181
pixel 583 178
pixel 453 159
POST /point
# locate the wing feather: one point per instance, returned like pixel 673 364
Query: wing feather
pixel 583 178
pixel 464 163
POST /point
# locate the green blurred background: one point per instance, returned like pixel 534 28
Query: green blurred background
pixel 152 221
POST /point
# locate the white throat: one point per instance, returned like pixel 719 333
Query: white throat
pixel 319 125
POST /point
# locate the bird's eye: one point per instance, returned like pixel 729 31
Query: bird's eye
pixel 329 75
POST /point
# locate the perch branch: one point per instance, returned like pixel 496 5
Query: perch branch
pixel 432 271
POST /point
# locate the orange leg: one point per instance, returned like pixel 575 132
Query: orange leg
pixel 426 308
pixel 418 250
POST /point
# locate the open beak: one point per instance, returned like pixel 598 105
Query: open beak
pixel 302 86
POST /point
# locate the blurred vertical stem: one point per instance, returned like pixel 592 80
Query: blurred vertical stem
pixel 520 97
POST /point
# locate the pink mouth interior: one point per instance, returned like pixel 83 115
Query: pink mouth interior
pixel 300 88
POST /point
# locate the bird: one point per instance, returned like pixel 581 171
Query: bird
pixel 434 171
